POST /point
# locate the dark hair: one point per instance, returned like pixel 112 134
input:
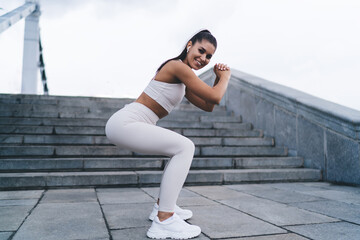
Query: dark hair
pixel 204 34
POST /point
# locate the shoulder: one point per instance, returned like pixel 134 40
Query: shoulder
pixel 176 64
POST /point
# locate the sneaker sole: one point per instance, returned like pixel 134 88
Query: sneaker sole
pixel 164 235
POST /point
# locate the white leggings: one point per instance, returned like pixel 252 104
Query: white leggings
pixel 134 127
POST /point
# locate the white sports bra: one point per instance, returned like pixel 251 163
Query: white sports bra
pixel 168 95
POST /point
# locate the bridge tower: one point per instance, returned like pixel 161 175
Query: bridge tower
pixel 32 53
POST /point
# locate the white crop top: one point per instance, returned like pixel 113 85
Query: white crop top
pixel 168 95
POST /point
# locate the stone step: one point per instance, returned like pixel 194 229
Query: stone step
pixel 51 122
pixel 68 101
pixel 51 111
pixel 151 178
pixel 268 162
pixel 22 108
pixel 243 151
pixel 44 107
pixel 113 151
pixel 195 118
pixel 102 122
pixel 123 164
pixel 199 113
pixel 54 111
pixel 100 131
pixel 102 140
pixel 178 124
pixel 106 115
pixel 6 129
pixel 207 125
pixel 187 127
pixel 221 132
pixel 97 126
pixel 62 100
pixel 235 119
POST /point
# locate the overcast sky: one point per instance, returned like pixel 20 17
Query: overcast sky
pixel 111 48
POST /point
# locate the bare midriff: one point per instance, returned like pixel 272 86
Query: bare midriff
pixel 152 104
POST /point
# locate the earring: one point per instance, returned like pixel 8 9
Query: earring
pixel 188 49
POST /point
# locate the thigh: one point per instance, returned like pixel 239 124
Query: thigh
pixel 151 139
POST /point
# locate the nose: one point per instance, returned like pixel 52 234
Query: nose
pixel 203 57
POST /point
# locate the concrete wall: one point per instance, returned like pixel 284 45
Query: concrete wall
pixel 324 133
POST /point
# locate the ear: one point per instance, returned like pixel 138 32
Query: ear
pixel 189 44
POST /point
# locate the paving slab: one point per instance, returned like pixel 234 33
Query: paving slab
pixel 69 195
pixel 277 213
pixel 122 195
pixel 130 233
pixel 26 194
pixel 310 210
pixel 64 221
pixel 300 187
pixel 340 210
pixel 283 196
pixel 346 197
pixel 250 187
pixel 194 201
pixel 12 217
pixel 316 184
pixel 5 235
pixel 128 215
pixel 352 189
pixel 138 234
pixel 271 175
pixel 218 221
pixel 186 197
pixel 18 202
pixel 154 192
pixel 288 236
pixel 216 192
pixel 328 231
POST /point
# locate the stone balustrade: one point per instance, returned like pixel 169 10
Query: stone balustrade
pixel 326 134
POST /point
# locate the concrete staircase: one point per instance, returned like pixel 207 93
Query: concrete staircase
pixel 52 141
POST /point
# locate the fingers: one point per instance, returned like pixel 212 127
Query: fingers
pixel 222 67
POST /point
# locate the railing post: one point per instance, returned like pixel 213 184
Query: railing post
pixel 31 52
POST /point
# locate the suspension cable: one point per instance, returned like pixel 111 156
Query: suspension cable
pixel 42 69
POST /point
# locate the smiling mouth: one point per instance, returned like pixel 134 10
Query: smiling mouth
pixel 199 63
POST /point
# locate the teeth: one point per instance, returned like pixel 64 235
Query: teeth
pixel 198 62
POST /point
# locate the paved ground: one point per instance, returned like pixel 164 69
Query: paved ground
pixel 285 211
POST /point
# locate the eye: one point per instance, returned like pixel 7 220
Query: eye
pixel 208 56
pixel 201 51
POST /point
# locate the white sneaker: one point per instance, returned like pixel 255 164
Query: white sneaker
pixel 173 227
pixel 183 213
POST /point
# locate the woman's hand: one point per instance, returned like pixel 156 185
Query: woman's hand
pixel 222 71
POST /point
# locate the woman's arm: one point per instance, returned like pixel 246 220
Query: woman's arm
pixel 195 86
pixel 199 102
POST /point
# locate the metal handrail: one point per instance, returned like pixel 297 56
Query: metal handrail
pixel 33 53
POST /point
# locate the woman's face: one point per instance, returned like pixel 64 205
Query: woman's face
pixel 199 54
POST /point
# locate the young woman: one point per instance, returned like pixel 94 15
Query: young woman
pixel 134 127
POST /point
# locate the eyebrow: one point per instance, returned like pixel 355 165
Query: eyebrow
pixel 202 48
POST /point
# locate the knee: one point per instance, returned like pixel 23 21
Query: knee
pixel 188 146
pixel 192 147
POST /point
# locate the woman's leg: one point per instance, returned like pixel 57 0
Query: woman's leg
pixel 150 139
